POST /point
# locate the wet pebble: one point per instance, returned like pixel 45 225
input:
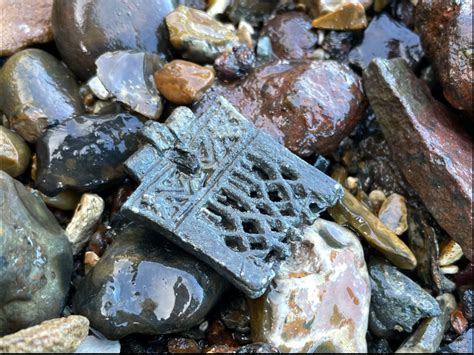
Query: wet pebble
pixel 291 35
pixel 33 287
pixel 462 344
pixel 340 15
pixel 37 91
pixel 235 315
pixel 458 322
pixel 338 44
pixel 393 213
pixel 183 346
pixel 386 38
pixel 398 303
pixel 450 252
pixel 376 199
pixel 14 153
pixel 160 288
pixel 236 64
pixel 23 24
pixel 84 30
pixel 65 200
pixel 182 82
pixel 467 302
pixel 198 36
pixel 61 335
pixel 86 153
pixel 255 12
pixel 319 300
pixel 257 348
pixel 128 77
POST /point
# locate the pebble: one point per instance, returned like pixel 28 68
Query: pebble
pixel 450 253
pixel 86 153
pixel 182 82
pixel 462 344
pixel 161 289
pixel 427 143
pixel 14 153
pixel 257 348
pixel 446 31
pixel 60 335
pixel 92 344
pixel 235 315
pixel 128 77
pixel 23 24
pixel 350 210
pixel 429 334
pixel 85 220
pixel 85 29
pixel 33 105
pixel 376 199
pixel 449 269
pixel 236 64
pixel 198 36
pixel 338 44
pixel 65 200
pixel 398 303
pixel 291 35
pixel 467 302
pixel 349 15
pixel 458 322
pixel 220 349
pixel 90 260
pixel 299 103
pixel 36 259
pixel 183 346
pixel 386 38
pixel 255 12
pixel 319 300
pixel 393 213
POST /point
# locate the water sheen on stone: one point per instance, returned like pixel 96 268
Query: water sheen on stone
pixel 143 284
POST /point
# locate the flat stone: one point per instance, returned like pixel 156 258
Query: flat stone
pixel 33 105
pixel 160 288
pixel 319 300
pixel 430 147
pixel 386 38
pixel 446 31
pixel 398 303
pixel 86 153
pixel 128 77
pixel 14 153
pixel 198 36
pixel 83 30
pixel 225 192
pixel 347 16
pixel 393 213
pixel 182 82
pixel 23 24
pixel 36 259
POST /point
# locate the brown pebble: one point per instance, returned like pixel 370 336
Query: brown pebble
pixel 183 346
pixel 182 82
pixel 60 335
pixel 14 153
pixel 218 334
pixel 99 241
pixel 450 252
pixel 91 258
pixel 220 349
pixel 393 213
pixel 458 321
pixel 350 16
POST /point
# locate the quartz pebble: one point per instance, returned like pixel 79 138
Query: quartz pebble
pixel 182 82
pixel 86 218
pixel 23 24
pixel 427 143
pixel 14 153
pixel 349 15
pixel 429 334
pixel 450 253
pixel 52 97
pixel 393 213
pixel 61 335
pixel 197 36
pixel 36 259
pixel 161 289
pixel 319 301
pixel 398 303
pixel 350 210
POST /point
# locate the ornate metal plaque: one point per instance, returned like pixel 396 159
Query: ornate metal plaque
pixel 226 192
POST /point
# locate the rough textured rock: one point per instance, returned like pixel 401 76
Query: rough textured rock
pixel 14 153
pixel 398 303
pixel 319 301
pixel 61 335
pixel 33 287
pixel 37 91
pixel 84 30
pixel 162 289
pixel 23 23
pixel 462 344
pixel 198 36
pixel 291 35
pixel 429 146
pixel 429 334
pixel 86 153
pixel 467 302
pixel 446 31
pixel 300 103
pixel 182 82
pixel 386 38
pixel 393 213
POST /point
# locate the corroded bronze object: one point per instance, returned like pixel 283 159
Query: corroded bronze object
pixel 226 192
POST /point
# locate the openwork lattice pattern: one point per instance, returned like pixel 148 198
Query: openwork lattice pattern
pixel 226 192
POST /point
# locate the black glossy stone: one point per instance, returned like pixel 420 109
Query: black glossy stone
pixel 237 209
pixel 144 284
pixel 397 302
pixel 86 153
